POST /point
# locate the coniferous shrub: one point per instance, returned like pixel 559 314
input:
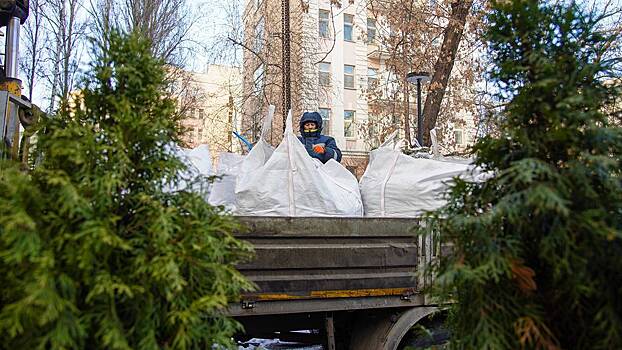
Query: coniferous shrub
pixel 536 250
pixel 95 254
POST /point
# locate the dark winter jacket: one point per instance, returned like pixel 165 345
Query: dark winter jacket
pixel 310 139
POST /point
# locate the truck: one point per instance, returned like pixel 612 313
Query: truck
pixel 348 283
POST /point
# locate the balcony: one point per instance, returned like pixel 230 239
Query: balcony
pixel 376 52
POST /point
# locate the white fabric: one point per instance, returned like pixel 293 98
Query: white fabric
pixel 258 156
pixel 435 150
pixel 395 184
pixel 231 165
pixel 223 188
pixel 198 163
pixel 291 183
pixel 200 158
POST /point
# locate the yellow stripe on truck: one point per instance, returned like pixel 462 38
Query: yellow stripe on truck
pixel 327 294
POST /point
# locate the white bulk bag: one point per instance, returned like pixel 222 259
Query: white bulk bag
pixel 198 162
pixel 291 183
pixel 200 158
pixel 223 188
pixel 230 165
pixel 398 185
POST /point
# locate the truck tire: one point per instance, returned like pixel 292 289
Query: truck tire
pixel 386 331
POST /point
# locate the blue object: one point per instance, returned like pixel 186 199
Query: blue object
pixel 244 140
pixel 310 139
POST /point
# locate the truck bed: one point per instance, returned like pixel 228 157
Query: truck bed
pixel 329 264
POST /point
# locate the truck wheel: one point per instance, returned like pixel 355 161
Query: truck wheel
pixel 386 331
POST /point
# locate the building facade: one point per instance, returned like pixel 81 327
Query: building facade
pixel 336 61
pixel 212 109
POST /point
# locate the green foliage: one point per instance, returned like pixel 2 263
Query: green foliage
pixel 536 248
pixel 94 253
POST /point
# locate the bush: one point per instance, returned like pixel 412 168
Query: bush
pixel 536 248
pixel 95 253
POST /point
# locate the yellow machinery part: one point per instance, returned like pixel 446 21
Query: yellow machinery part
pixel 13 86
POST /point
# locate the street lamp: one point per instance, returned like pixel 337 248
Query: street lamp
pixel 418 77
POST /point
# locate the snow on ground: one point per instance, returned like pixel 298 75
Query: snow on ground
pixel 275 344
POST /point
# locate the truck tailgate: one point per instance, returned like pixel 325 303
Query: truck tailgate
pixel 324 264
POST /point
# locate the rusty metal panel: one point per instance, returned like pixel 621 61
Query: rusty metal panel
pixel 330 258
pixel 280 307
pixel 300 285
pixel 300 255
pixel 328 226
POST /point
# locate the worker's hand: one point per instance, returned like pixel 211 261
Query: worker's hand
pixel 319 149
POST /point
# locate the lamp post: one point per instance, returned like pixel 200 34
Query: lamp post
pixel 418 77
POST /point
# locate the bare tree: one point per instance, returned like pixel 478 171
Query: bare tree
pixel 251 37
pixel 67 33
pixel 216 113
pixel 166 23
pixel 34 35
pixel 104 18
pixel 409 32
pixel 414 35
pixel 182 87
pixel 444 64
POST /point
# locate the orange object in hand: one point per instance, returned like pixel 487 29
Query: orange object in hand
pixel 318 149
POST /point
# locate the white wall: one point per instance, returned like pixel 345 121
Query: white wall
pixel 343 52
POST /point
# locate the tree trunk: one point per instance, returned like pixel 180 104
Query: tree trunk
pixel 55 76
pixel 444 65
pixel 33 30
pixel 61 17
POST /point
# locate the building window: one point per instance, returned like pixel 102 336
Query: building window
pixel 258 80
pixel 324 73
pixel 348 77
pixel 459 137
pixel 259 34
pixel 348 124
pixel 325 113
pixel 372 78
pixel 324 24
pixel 371 30
pixel 348 27
pixel 201 114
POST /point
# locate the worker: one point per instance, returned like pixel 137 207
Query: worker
pixel 318 146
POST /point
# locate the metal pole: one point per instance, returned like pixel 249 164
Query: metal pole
pixel 230 124
pixel 287 101
pixel 407 117
pixel 12 48
pixel 330 332
pixel 419 114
